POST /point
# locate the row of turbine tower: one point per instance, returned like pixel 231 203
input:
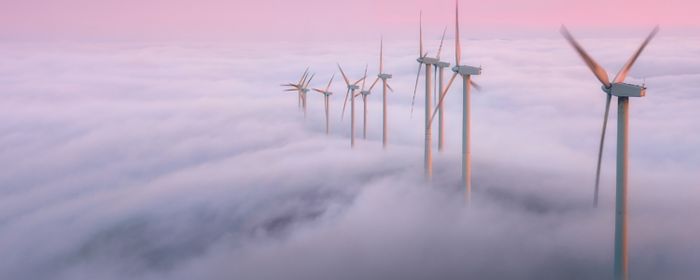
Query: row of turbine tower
pixel 434 71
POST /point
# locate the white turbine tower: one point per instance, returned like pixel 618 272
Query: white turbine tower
pixel 351 93
pixel 466 72
pixel 429 62
pixel 440 76
pixel 326 94
pixel 383 76
pixel 623 92
pixel 364 93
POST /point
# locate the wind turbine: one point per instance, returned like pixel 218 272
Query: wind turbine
pixel 466 72
pixel 302 88
pixel 429 62
pixel 383 76
pixel 351 93
pixel 298 86
pixel 326 94
pixel 623 92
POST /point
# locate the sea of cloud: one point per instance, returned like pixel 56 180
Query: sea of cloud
pixel 187 161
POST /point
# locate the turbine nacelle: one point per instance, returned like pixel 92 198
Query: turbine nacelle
pixel 384 76
pixel 625 90
pixel 305 90
pixel 353 87
pixel 466 70
pixel 365 92
pixel 442 64
pixel 428 60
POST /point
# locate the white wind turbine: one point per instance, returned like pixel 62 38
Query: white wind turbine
pixel 302 88
pixel 351 93
pixel 326 94
pixel 429 62
pixel 382 76
pixel 623 92
pixel 466 72
pixel 297 87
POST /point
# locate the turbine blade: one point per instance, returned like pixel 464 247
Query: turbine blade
pixel 420 30
pixel 347 82
pixel 360 80
pixel 303 76
pixel 458 46
pixel 309 81
pixel 291 89
pixel 318 90
pixel 374 83
pixel 381 55
pixel 475 85
pixel 597 70
pixel 442 96
pixel 415 88
pixel 620 77
pixel 600 149
pixel 303 80
pixel 364 78
pixel 342 115
pixel 330 81
pixel 388 86
pixel 441 42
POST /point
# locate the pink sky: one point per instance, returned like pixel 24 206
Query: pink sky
pixel 319 19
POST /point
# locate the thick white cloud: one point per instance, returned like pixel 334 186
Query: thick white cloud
pixel 182 161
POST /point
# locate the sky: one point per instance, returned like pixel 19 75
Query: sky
pixel 141 142
pixel 321 20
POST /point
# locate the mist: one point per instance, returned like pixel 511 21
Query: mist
pixel 187 161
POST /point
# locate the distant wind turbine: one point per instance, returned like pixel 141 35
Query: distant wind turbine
pixel 298 86
pixel 326 94
pixel 623 92
pixel 429 63
pixel 302 88
pixel 465 72
pixel 383 76
pixel 351 93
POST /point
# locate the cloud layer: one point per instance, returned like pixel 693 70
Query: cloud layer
pixel 183 161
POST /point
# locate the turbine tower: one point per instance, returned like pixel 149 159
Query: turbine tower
pixel 351 93
pixel 383 76
pixel 326 94
pixel 466 72
pixel 623 92
pixel 364 94
pixel 439 75
pixel 429 62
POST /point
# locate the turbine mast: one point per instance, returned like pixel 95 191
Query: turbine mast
pixel 621 249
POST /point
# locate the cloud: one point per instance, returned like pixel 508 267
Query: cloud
pixel 182 161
